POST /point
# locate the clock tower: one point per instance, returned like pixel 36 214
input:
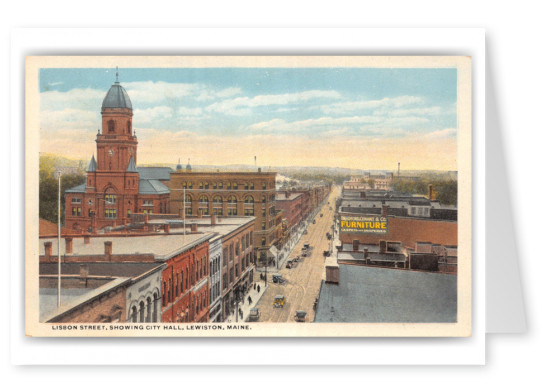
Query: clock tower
pixel 114 188
pixel 114 179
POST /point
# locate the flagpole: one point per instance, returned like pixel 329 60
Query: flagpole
pixel 184 215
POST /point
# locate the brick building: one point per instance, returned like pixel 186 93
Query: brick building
pixel 231 194
pixel 102 280
pixel 115 187
pixel 291 205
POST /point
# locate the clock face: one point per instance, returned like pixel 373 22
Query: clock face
pixel 110 152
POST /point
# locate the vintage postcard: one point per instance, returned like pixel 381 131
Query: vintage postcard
pixel 253 196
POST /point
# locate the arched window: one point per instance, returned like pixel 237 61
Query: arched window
pixel 217 200
pixel 263 199
pixel 232 200
pixel 203 199
pixel 220 185
pixel 249 200
pixel 234 185
pixel 134 315
pixel 128 127
pixel 111 126
pixel 251 186
pixel 142 311
pixel 206 185
pixel 200 185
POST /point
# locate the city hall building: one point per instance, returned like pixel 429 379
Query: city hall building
pixel 115 187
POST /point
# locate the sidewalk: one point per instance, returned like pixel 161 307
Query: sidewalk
pixel 244 306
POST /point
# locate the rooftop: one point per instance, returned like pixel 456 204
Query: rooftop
pixel 378 295
pixel 162 246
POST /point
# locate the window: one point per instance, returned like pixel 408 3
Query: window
pixel 90 212
pixel 251 186
pixel 263 185
pixel 200 185
pixel 231 252
pixel 110 213
pixel 234 185
pixel 128 212
pixel 228 186
pixel 263 199
pixel 147 202
pixel 76 211
pixel 182 282
pixel 111 126
pixel 128 127
pixel 110 198
pixel 217 200
pixel 249 200
pixel 203 199
pixel 76 200
pixel 206 185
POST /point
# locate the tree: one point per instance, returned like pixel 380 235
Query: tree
pixel 371 183
pixel 48 184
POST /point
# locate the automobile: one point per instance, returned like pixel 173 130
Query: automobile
pixel 300 316
pixel 321 214
pixel 278 279
pixel 326 253
pixel 279 301
pixel 290 264
pixel 314 222
pixel 254 315
pixel 306 245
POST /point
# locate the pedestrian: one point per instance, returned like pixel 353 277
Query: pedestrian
pixel 255 286
pixel 250 300
pixel 258 289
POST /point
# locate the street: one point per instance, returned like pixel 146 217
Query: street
pixel 303 281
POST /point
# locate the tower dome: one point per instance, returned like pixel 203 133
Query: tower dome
pixel 116 97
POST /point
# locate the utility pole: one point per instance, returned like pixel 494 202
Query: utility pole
pixel 59 239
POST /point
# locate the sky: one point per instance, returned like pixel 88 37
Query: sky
pixel 366 118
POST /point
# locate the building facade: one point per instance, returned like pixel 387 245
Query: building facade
pixel 114 188
pixel 291 205
pixel 231 194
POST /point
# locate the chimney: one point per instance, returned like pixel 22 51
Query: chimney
pixel 213 220
pixel 108 248
pixel 355 245
pixel 382 246
pixel 84 271
pixel 86 239
pixel 259 169
pixel 194 228
pixel 83 275
pixel 385 210
pixel 431 193
pixel 48 249
pixel 68 245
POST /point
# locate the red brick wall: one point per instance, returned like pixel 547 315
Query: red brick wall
pixel 409 231
pixel 191 266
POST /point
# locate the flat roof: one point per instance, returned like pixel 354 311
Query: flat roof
pixel 163 246
pixel 379 295
pixel 282 197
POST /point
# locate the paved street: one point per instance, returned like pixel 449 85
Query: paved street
pixel 304 280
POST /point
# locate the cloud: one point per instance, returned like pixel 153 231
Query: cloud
pixel 77 98
pixel 69 118
pixel 354 106
pixel 242 105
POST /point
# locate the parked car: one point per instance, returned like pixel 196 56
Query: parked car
pixel 254 315
pixel 278 279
